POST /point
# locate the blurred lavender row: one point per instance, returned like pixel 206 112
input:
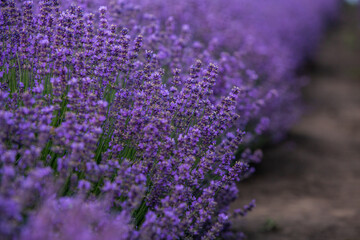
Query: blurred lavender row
pixel 119 121
pixel 257 45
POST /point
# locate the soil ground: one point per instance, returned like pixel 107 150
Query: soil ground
pixel 308 187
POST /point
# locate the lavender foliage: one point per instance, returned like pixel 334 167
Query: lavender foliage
pixel 129 131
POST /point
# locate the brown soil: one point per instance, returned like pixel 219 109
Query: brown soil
pixel 308 187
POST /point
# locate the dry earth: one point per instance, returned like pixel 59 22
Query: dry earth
pixel 308 187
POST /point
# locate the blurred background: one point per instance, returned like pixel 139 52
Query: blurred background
pixel 308 187
pixel 353 2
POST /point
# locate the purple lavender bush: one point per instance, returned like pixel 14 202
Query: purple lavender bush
pixel 101 141
pixel 118 124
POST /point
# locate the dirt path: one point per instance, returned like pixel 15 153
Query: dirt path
pixel 308 188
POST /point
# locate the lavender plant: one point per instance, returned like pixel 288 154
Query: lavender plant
pixel 121 124
pixel 100 140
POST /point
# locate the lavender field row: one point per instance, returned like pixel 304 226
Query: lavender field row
pixel 135 119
